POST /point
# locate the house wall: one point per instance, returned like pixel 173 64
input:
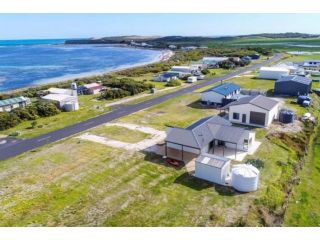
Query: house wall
pixel 211 173
pixel 246 108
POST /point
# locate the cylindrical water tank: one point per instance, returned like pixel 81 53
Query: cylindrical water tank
pixel 286 116
pixel 245 178
pixel 70 106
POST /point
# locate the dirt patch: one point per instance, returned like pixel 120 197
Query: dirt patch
pixel 278 127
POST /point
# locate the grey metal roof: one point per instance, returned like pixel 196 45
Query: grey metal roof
pixel 295 78
pixel 212 160
pixel 259 101
pixel 228 133
pixel 202 132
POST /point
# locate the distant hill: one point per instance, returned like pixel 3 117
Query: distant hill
pixel 160 42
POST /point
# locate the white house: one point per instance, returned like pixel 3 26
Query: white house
pixel 257 111
pixel 208 135
pixel 64 102
pixel 273 72
pixel 192 79
pixel 311 65
pixel 217 94
pixel 8 104
pixel 212 168
pixel 92 88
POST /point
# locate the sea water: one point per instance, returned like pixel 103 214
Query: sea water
pixel 25 63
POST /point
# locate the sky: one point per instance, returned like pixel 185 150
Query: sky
pixel 34 26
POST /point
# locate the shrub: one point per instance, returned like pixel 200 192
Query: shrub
pixel 46 109
pixel 205 71
pixel 173 83
pixel 8 120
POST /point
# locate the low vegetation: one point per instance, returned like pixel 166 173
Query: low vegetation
pixel 31 112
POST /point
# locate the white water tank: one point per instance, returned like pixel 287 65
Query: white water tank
pixel 245 178
pixel 71 106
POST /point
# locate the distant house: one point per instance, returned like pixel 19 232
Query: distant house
pixel 257 111
pixel 91 88
pixel 208 135
pixel 292 85
pixel 165 77
pixel 213 62
pixel 18 102
pixel 172 46
pixel 311 65
pixel 62 101
pixel 219 95
pixel 184 69
pixel 273 73
pixel 212 168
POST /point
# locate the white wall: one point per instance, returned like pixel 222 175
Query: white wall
pixel 273 114
pixel 212 174
pixel 245 109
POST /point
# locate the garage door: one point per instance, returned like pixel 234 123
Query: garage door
pixel 257 118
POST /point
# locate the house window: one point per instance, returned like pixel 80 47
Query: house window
pixel 236 116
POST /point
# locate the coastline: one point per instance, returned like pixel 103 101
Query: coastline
pixel 164 56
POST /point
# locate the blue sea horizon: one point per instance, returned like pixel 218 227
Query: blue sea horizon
pixel 26 63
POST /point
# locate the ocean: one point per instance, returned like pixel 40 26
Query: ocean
pixel 25 63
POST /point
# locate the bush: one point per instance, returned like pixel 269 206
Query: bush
pixel 173 83
pixel 205 71
pixel 46 109
pixel 8 120
pixel 114 94
pixel 14 134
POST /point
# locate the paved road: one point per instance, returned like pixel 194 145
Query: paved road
pixel 14 148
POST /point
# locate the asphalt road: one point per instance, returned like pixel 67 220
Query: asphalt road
pixel 13 148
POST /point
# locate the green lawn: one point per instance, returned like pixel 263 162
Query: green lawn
pixel 120 133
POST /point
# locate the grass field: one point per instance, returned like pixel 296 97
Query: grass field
pixel 120 133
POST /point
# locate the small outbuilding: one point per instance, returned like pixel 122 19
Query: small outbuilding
pixel 273 73
pixel 292 85
pixel 212 168
pixel 219 95
pixel 257 111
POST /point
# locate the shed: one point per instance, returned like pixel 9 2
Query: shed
pixel 273 73
pixel 217 94
pixel 292 85
pixel 212 168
